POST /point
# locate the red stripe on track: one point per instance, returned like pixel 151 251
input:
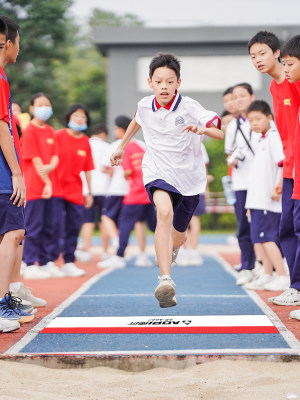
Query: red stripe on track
pixel 163 330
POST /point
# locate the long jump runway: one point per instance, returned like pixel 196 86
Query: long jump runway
pixel 116 313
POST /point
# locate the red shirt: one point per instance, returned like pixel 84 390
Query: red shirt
pixel 75 155
pixel 37 142
pixel 132 160
pixel 286 103
pixel 4 113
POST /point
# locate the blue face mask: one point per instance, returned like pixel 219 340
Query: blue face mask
pixel 43 113
pixel 76 127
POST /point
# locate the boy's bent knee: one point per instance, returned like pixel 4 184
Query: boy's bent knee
pixel 16 236
pixel 164 214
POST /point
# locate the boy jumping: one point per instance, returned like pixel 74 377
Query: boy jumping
pixel 173 167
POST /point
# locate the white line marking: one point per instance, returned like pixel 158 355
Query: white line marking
pixel 288 336
pixel 200 352
pixel 161 321
pixel 177 295
pixel 16 348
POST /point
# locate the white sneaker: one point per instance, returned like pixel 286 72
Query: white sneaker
pixel 280 282
pixel 237 267
pixel 165 292
pixel 104 256
pixel 258 268
pixel 83 256
pixel 194 258
pixel 295 314
pixel 142 260
pixel 53 270
pixel 70 269
pixel 182 259
pixel 259 282
pixel 8 325
pixel 25 294
pixel 35 272
pixel 245 276
pixel 291 297
pixel 112 262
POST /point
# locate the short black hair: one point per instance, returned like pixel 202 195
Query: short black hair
pixel 72 109
pixel 165 60
pixel 261 106
pixel 36 96
pixel 99 128
pixel 246 86
pixel 225 113
pixel 3 27
pixel 292 47
pixel 12 28
pixel 122 121
pixel 268 38
pixel 228 91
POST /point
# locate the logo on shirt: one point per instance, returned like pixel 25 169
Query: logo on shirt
pixel 81 153
pixel 50 141
pixel 287 102
pixel 179 121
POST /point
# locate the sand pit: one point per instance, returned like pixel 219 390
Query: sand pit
pixel 215 380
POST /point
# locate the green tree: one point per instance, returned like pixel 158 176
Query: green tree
pixel 217 163
pixel 83 80
pixel 106 18
pixel 45 34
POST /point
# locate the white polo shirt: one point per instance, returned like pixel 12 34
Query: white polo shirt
pixel 172 155
pixel 265 172
pixel 234 140
pixel 118 185
pixel 99 180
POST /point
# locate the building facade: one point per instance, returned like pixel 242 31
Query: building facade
pixel 212 59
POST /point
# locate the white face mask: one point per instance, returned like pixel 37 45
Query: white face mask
pixel 76 127
pixel 43 113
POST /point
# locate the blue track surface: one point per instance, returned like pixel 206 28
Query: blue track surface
pixel 206 290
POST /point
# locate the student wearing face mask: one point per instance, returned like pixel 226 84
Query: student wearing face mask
pixel 40 156
pixel 75 156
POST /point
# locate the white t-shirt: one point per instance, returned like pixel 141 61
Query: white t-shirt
pixel 172 155
pixel 99 180
pixel 205 155
pixel 234 140
pixel 118 185
pixel 265 172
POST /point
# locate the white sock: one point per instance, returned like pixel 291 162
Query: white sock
pixel 15 286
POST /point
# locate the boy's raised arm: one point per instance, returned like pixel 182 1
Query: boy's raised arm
pixel 211 131
pixel 117 157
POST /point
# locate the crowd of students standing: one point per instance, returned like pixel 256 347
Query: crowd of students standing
pixel 69 178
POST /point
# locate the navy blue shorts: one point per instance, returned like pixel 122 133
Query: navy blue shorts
pixel 93 213
pixel 183 206
pixel 112 207
pixel 264 226
pixel 11 216
pixel 200 209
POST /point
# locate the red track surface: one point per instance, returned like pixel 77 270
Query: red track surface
pixel 55 291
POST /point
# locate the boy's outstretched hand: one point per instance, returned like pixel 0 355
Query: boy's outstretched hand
pixel 194 128
pixel 117 157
